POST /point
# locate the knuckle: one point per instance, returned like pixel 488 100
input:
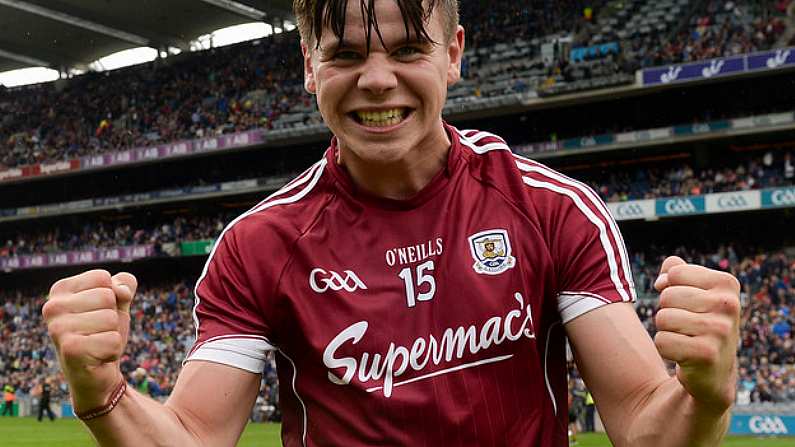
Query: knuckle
pixel 115 340
pixel 71 347
pixel 55 328
pixel 662 319
pixel 665 297
pixel 729 281
pixel 107 298
pixel 706 352
pixel 720 327
pixel 675 273
pixel 109 318
pixel 100 275
pixel 51 309
pixel 57 286
pixel 731 304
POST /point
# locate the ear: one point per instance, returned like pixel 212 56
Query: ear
pixel 309 71
pixel 455 52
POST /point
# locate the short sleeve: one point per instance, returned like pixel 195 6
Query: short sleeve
pixel 592 261
pixel 230 323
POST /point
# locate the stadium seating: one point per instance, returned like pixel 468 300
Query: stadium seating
pixel 161 333
pixel 258 85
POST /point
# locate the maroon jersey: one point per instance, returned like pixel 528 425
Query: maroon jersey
pixel 434 321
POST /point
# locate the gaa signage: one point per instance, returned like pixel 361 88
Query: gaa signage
pixel 762 424
pixel 636 209
pixel 779 197
pixel 733 201
pixel 680 206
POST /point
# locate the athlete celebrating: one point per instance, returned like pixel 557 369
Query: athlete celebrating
pixel 417 283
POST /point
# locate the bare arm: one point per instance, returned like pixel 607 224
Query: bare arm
pixel 210 406
pixel 640 404
pixel 698 324
pixel 88 319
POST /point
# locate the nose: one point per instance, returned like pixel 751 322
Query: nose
pixel 377 76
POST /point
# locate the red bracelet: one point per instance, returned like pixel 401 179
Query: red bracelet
pixel 108 407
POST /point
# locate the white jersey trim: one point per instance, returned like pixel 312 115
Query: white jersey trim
pixel 592 295
pixel 598 223
pixel 471 137
pixel 311 175
pixel 471 142
pixel 525 165
pixel 573 306
pixel 247 353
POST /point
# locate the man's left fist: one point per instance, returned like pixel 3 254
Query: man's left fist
pixel 698 323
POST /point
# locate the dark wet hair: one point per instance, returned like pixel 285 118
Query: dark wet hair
pixel 314 15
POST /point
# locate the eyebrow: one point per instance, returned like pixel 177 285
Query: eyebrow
pixel 337 44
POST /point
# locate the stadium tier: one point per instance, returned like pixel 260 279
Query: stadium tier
pixel 257 86
pixel 679 114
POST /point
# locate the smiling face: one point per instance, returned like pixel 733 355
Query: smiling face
pixel 384 103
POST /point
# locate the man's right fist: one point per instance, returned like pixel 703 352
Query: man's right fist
pixel 88 319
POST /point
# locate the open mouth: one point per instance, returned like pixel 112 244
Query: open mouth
pixel 382 118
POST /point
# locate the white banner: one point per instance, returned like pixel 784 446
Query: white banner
pixel 733 201
pixel 632 210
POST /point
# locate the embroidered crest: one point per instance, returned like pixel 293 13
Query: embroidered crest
pixel 491 250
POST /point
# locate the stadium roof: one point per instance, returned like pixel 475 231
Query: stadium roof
pixel 62 34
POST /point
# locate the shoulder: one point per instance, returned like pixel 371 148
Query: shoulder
pixel 286 213
pixel 526 182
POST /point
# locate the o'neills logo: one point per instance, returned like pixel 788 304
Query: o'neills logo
pixel 383 368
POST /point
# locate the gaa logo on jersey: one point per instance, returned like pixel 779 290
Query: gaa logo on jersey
pixel 491 250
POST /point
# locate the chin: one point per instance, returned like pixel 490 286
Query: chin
pixel 382 154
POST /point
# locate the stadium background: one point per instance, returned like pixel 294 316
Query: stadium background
pixel 680 114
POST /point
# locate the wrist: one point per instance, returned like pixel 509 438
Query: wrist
pixel 87 411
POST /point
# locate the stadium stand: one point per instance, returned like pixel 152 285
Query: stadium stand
pixel 161 231
pixel 161 332
pixel 227 90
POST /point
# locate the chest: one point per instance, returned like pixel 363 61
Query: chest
pixel 399 276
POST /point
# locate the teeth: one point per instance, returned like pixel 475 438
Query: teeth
pixel 382 119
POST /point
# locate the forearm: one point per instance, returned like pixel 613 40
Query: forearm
pixel 141 421
pixel 671 417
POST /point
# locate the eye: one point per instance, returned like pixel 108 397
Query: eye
pixel 346 55
pixel 406 52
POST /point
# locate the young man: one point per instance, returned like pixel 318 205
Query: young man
pixel 417 283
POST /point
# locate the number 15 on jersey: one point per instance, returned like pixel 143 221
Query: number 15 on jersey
pixel 415 283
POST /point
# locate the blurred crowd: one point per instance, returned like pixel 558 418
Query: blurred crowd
pixel 766 357
pixel 772 169
pixel 161 333
pixel 189 96
pixel 252 85
pixel 487 23
pixel 717 29
pixel 98 234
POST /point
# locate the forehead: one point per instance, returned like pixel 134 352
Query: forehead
pixel 388 20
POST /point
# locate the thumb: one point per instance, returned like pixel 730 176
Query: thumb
pixel 669 262
pixel 124 286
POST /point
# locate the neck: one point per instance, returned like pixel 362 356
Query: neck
pixel 401 179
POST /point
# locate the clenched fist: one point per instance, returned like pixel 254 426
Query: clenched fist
pixel 698 324
pixel 88 319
